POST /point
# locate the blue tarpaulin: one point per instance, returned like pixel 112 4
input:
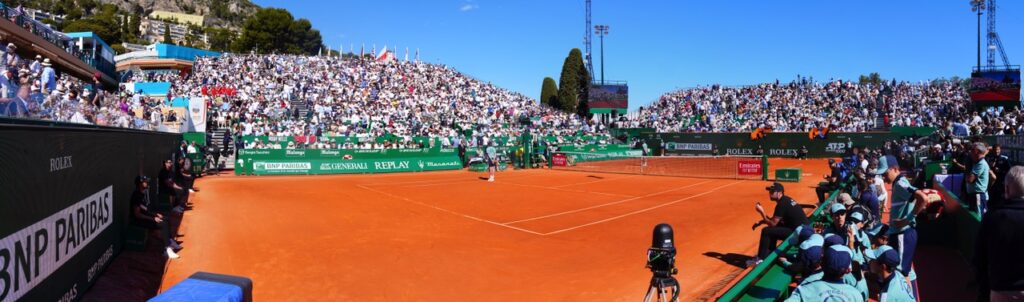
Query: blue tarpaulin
pixel 153 88
pixel 179 102
pixel 200 291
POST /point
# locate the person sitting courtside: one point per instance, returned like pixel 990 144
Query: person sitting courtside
pixel 785 219
pixel 142 217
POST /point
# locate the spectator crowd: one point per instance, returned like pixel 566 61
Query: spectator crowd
pixel 837 105
pixel 282 95
pixel 286 95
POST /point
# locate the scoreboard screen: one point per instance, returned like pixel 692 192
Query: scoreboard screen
pixel 997 86
pixel 609 97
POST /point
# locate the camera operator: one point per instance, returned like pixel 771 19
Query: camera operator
pixel 786 218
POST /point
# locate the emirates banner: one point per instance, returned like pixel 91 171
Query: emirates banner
pixel 749 167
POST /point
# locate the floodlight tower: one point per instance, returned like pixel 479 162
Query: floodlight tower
pixel 978 6
pixel 601 31
pixel 587 41
pixel 994 42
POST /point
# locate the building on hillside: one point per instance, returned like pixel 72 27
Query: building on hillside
pixel 39 15
pixel 153 31
pixel 181 18
pixel 129 47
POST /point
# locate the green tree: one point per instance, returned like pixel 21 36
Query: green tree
pixel 135 26
pixel 125 27
pixel 307 39
pixel 87 6
pixel 220 38
pixel 583 109
pixel 73 14
pixel 275 30
pixel 569 82
pixel 872 78
pixel 106 29
pixel 267 31
pixel 167 33
pixel 119 49
pixel 549 93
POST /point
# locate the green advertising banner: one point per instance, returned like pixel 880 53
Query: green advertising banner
pixel 774 144
pixel 341 161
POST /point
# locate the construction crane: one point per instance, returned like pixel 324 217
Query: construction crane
pixel 994 42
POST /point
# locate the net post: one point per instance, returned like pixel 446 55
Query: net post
pixel 764 167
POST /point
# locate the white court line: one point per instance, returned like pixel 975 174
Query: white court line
pixel 475 174
pixel 584 183
pixel 444 183
pixel 463 179
pixel 640 211
pixel 560 189
pixel 606 204
pixel 411 182
pixel 449 211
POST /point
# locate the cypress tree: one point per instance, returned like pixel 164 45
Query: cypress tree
pixel 569 82
pixel 549 93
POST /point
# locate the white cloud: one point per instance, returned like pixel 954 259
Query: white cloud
pixel 468 6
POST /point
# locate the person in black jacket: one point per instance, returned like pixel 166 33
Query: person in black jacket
pixel 141 216
pixel 1000 244
pixel 462 154
pixel 786 217
pixel 999 164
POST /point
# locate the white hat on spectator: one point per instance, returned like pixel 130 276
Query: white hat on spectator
pixel 39 57
pixel 46 62
pixel 12 46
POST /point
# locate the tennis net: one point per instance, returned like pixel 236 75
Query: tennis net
pixel 730 167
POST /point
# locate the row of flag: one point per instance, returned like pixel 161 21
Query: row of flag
pixel 384 55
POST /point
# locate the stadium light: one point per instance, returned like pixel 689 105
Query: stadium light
pixel 601 31
pixel 978 6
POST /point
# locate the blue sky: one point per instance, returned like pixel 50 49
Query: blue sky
pixel 659 46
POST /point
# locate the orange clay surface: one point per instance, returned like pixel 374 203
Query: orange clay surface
pixel 532 235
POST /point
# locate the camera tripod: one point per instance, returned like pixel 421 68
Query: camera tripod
pixel 659 288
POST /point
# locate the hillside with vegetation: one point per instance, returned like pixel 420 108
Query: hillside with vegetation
pixel 230 25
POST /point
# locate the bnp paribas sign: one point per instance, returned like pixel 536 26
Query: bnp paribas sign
pixel 30 255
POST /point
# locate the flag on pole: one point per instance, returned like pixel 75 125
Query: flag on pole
pixel 407 54
pixel 320 51
pixel 361 48
pixel 374 49
pixel 385 55
pixel 417 55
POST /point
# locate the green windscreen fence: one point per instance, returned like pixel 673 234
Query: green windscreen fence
pixel 340 161
pixel 774 144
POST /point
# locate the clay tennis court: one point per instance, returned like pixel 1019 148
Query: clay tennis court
pixel 532 235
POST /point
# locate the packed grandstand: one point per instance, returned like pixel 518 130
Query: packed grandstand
pixel 390 104
pixel 283 95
